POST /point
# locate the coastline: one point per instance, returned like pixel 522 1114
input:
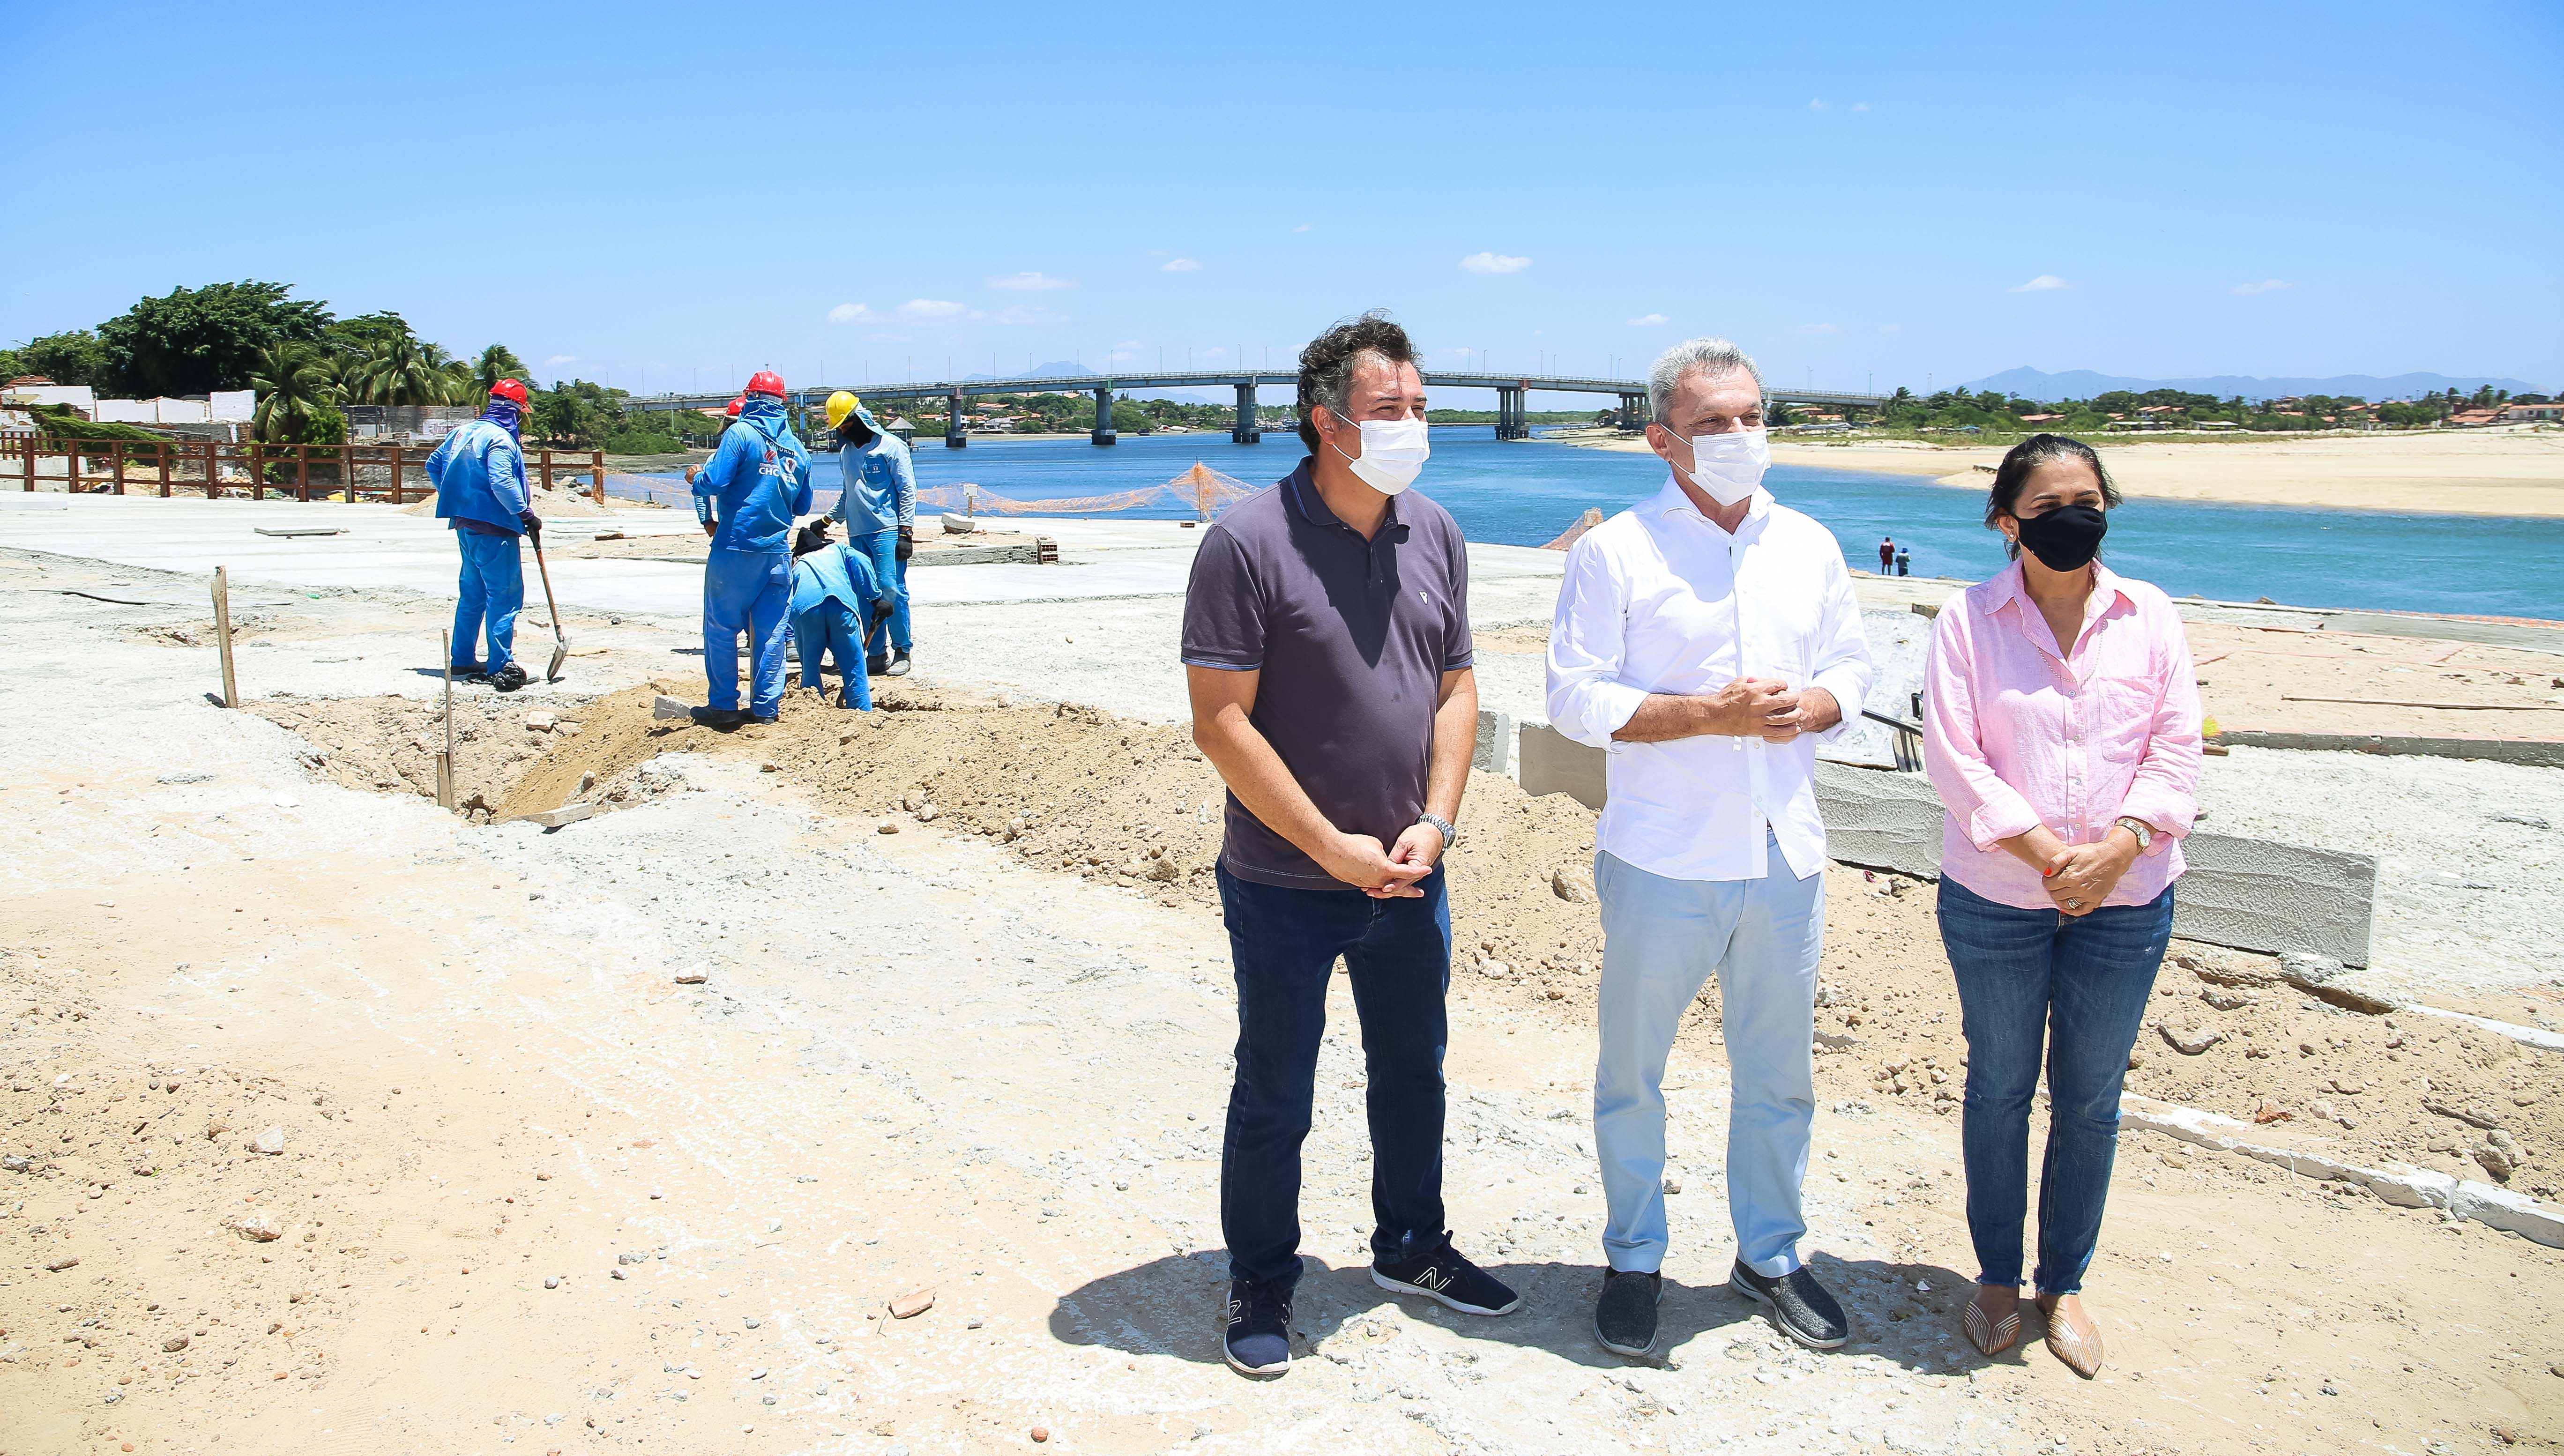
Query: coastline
pixel 2438 473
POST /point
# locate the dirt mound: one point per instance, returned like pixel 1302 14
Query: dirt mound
pixel 546 503
pixel 1078 792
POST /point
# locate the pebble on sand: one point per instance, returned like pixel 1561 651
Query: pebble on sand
pixel 913 1304
pixel 270 1142
pixel 693 975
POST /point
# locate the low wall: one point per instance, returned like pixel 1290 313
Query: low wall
pixel 2250 894
pixel 2535 753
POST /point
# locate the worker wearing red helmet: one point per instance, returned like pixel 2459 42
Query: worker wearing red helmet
pixel 480 476
pixel 748 495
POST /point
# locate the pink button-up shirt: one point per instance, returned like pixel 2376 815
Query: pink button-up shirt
pixel 2017 734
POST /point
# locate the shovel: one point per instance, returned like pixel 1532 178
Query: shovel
pixel 560 644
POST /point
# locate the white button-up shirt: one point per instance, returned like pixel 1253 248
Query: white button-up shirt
pixel 1658 599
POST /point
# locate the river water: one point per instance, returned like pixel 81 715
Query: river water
pixel 1525 493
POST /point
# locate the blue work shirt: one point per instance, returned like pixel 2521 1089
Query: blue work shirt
pixel 880 483
pixel 759 476
pixel 833 571
pixel 480 476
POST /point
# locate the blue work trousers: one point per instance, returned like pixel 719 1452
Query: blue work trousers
pixel 1283 943
pixel 883 547
pixel 1662 939
pixel 487 598
pixel 831 628
pixel 752 592
pixel 2077 986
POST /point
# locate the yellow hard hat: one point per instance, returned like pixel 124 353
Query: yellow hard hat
pixel 841 404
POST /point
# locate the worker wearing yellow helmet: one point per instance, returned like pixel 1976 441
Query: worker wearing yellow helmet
pixel 877 504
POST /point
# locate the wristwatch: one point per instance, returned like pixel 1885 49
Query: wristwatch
pixel 1450 836
pixel 2144 831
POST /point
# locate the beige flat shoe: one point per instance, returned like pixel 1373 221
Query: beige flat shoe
pixel 1991 1330
pixel 2071 1336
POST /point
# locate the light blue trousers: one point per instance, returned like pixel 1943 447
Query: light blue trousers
pixel 752 592
pixel 1664 939
pixel 486 598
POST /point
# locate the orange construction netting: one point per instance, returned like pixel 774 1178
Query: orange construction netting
pixel 1202 488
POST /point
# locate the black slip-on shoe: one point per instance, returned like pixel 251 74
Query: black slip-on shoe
pixel 509 678
pixel 723 719
pixel 1256 1333
pixel 877 666
pixel 1625 1318
pixel 1799 1306
pixel 1453 1281
pixel 898 665
pixel 467 671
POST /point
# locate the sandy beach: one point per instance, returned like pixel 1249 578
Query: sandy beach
pixel 2453 472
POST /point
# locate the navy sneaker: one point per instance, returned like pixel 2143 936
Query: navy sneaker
pixel 1445 1276
pixel 509 678
pixel 1799 1306
pixel 1256 1336
pixel 1625 1319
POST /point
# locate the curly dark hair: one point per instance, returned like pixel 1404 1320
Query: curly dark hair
pixel 1326 364
pixel 2029 455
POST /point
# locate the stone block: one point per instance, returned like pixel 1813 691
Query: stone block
pixel 1554 764
pixel 2261 895
pixel 566 814
pixel 1495 750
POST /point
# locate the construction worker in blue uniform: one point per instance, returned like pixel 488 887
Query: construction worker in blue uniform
pixel 879 509
pixel 746 497
pixel 834 594
pixel 479 472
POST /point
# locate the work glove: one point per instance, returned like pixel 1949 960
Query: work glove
pixel 907 543
pixel 532 523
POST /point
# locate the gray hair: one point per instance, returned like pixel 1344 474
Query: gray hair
pixel 1710 356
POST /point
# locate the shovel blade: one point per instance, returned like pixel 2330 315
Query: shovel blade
pixel 560 654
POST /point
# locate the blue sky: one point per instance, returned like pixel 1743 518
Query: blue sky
pixel 1898 194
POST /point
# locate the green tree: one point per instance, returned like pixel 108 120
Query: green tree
pixel 73 356
pixel 397 371
pixel 199 340
pixel 296 390
pixel 494 363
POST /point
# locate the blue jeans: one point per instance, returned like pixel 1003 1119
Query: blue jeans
pixel 752 592
pixel 883 547
pixel 1283 943
pixel 830 628
pixel 489 595
pixel 1663 938
pixel 2028 977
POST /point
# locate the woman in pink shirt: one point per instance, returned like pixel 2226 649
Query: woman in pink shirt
pixel 2061 726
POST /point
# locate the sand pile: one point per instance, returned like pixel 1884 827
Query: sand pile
pixel 1078 792
pixel 546 503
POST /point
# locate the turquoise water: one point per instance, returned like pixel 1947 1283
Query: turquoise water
pixel 1526 492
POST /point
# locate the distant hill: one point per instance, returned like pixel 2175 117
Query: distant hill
pixel 2032 383
pixel 1055 369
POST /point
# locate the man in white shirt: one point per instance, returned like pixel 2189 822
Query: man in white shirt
pixel 1708 640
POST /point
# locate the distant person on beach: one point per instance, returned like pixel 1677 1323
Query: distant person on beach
pixel 834 594
pixel 1326 649
pixel 1904 562
pixel 2060 724
pixel 748 497
pixel 878 504
pixel 478 470
pixel 1886 554
pixel 1708 640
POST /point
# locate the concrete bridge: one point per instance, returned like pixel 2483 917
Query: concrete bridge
pixel 1511 416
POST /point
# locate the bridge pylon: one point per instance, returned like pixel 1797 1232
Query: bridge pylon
pixel 1103 433
pixel 1245 432
pixel 957 435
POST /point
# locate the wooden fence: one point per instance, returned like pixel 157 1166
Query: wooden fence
pixel 393 473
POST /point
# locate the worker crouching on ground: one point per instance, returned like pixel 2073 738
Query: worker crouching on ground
pixel 879 509
pixel 480 477
pixel 748 497
pixel 834 594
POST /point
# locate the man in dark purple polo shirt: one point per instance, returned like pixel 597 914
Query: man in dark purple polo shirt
pixel 1327 647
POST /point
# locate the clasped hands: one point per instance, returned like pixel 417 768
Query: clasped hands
pixel 1390 873
pixel 1768 709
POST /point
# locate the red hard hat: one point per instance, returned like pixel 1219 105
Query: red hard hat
pixel 765 381
pixel 733 411
pixel 509 389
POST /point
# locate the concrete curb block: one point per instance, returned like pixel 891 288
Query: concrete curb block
pixel 2534 752
pixel 2407 1187
pixel 1495 747
pixel 2543 1040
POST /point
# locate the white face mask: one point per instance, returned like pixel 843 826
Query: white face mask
pixel 1392 452
pixel 1730 466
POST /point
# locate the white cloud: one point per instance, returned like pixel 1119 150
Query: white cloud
pixel 1179 265
pixel 1302 228
pixel 2265 286
pixel 1889 328
pixel 851 314
pixel 2045 283
pixel 1029 314
pixel 563 359
pixel 1031 282
pixel 1494 263
pixel 1646 321
pixel 1816 103
pixel 1817 328
pixel 931 308
pixel 1860 105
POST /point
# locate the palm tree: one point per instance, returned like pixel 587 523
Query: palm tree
pixel 295 383
pixel 397 373
pixel 494 363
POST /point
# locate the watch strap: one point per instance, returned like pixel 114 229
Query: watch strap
pixel 1450 834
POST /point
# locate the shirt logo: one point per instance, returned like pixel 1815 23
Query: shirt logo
pixel 1420 596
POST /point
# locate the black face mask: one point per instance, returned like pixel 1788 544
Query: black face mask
pixel 2067 538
